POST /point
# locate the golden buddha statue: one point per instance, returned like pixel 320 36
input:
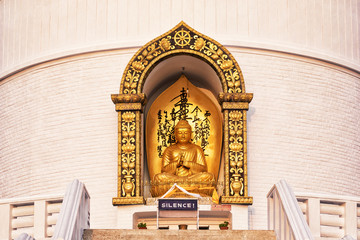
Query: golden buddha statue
pixel 184 163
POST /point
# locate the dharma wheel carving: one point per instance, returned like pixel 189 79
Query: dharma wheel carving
pixel 129 103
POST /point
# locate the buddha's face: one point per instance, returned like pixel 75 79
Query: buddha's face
pixel 183 135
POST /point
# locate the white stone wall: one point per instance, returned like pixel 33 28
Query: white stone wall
pixel 303 126
pixel 38 30
pixel 58 122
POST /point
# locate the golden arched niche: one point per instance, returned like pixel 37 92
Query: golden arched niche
pixel 204 115
pixel 131 99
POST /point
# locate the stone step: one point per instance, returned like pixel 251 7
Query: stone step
pixel 137 234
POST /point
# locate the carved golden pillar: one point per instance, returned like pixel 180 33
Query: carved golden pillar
pixel 129 108
pixel 234 107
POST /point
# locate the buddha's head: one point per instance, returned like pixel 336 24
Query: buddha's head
pixel 183 132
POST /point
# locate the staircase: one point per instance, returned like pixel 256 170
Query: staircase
pixel 137 234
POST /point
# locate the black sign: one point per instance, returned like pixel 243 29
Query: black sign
pixel 178 204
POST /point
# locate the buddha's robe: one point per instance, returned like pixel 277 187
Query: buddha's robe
pixel 193 158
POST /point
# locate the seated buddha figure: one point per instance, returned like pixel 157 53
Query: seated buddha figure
pixel 183 161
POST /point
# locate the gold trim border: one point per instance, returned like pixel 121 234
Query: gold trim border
pixel 245 153
pixel 226 144
pixel 142 71
pixel 235 105
pixel 128 201
pixel 236 200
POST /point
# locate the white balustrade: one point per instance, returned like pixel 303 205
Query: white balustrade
pixel 285 215
pixel 331 232
pixel 332 209
pixel 22 210
pixel 331 220
pixel 42 217
pixel 23 222
pixel 331 217
pixel 53 210
pixel 54 207
pixel 31 215
pixel 328 217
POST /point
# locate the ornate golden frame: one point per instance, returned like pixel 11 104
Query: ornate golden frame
pixel 182 39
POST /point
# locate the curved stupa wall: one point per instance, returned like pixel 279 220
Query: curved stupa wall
pixel 61 60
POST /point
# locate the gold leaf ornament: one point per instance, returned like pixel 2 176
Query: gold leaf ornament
pixel 128 148
pixel 199 44
pixel 165 44
pixel 125 165
pixel 236 147
pixel 132 165
pixel 137 66
pixel 125 134
pixel 128 117
pixel 235 115
pixel 133 85
pixel 227 65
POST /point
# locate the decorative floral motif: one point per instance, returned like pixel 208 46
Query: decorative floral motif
pixel 128 134
pixel 165 44
pixel 128 117
pixel 226 65
pixel 128 148
pixel 199 44
pixel 131 79
pixel 236 147
pixel 137 66
pixel 235 115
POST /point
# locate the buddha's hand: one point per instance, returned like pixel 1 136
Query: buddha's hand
pixel 180 163
pixel 187 164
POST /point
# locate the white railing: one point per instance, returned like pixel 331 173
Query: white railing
pixel 284 214
pixel 331 217
pixel 36 216
pixel 75 213
pixel 43 217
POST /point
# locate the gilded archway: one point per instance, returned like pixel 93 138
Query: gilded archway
pixel 129 103
pixel 182 39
